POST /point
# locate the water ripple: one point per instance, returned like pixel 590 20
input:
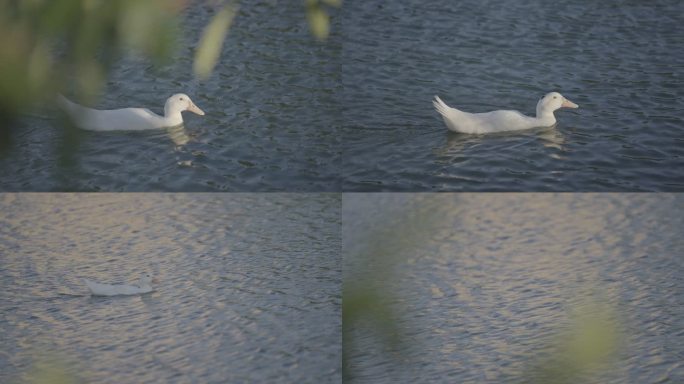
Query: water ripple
pixel 620 66
pixel 270 124
pixel 479 297
pixel 249 286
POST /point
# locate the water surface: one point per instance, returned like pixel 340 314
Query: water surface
pixel 270 122
pixel 622 63
pixel 249 287
pixel 486 283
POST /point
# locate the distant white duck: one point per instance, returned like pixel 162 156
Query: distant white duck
pixel 500 121
pixel 129 119
pixel 143 286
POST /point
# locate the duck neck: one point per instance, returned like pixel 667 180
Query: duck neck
pixel 545 114
pixel 170 112
pixel 172 116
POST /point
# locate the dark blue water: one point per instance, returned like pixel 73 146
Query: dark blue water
pixel 270 122
pixel 249 288
pixel 483 287
pixel 622 62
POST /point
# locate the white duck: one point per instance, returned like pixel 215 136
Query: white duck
pixel 500 121
pixel 143 286
pixel 128 119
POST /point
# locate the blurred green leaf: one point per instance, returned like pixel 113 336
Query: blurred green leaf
pixel 590 342
pixel 90 79
pixel 68 46
pixel 39 65
pixel 366 299
pixel 49 368
pixel 333 3
pixel 52 45
pixel 319 20
pixel 210 44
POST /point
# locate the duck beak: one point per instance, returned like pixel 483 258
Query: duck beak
pixel 568 104
pixel 195 109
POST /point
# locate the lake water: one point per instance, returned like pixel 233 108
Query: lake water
pixel 622 62
pixel 270 123
pixel 249 287
pixel 482 284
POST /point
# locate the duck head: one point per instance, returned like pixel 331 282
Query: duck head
pixel 553 101
pixel 180 102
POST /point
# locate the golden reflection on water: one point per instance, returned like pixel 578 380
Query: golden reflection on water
pixel 553 138
pixel 179 135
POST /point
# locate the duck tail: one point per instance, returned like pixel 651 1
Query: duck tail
pixel 66 105
pixel 440 106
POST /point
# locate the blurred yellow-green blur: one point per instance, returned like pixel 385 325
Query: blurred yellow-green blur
pixel 50 46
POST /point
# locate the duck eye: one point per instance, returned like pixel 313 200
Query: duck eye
pixel 182 98
pixel 554 97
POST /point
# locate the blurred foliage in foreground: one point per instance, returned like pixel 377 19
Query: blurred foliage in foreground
pixel 52 45
pixel 587 342
pixel 50 369
pixel 45 43
pixel 367 301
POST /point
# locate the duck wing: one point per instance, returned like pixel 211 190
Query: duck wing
pixel 125 119
pixel 503 120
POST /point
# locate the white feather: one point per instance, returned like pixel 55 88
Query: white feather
pixel 502 120
pixel 99 289
pixel 129 119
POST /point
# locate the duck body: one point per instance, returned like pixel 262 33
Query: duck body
pixel 128 119
pixel 98 289
pixel 502 120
